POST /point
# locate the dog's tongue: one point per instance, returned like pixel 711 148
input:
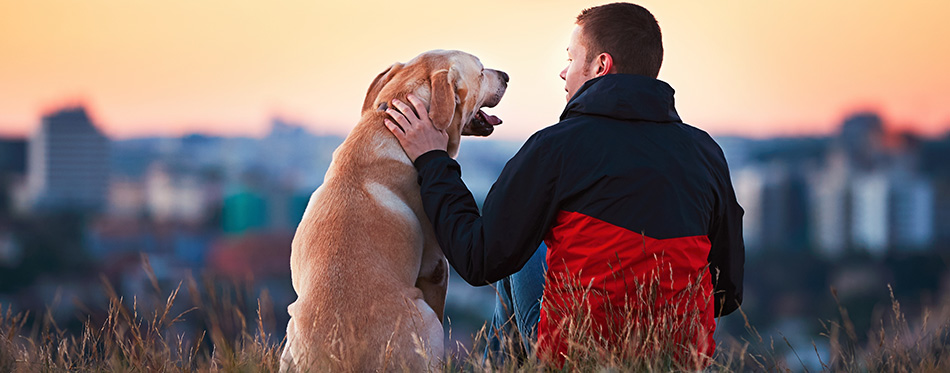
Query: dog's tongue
pixel 491 119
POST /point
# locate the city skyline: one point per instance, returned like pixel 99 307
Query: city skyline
pixel 856 191
pixel 848 212
pixel 223 68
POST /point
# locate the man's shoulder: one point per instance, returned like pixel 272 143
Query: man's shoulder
pixel 703 138
pixel 570 127
pixel 557 131
pixel 603 131
pixel 697 132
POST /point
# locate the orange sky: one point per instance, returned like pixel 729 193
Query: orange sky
pixel 748 67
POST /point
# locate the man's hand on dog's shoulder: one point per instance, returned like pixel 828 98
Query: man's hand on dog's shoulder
pixel 417 135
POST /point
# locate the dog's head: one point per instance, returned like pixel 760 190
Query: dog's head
pixel 455 87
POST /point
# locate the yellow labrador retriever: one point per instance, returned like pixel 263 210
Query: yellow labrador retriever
pixel 369 274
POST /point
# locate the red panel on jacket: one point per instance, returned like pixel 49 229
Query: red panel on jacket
pixel 598 266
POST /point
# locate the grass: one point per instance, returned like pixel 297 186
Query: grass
pixel 139 335
pixel 157 335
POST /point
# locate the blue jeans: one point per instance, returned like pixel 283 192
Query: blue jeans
pixel 517 310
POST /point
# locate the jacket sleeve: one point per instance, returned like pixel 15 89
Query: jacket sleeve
pixel 516 214
pixel 727 255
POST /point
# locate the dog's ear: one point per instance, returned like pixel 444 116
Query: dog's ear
pixel 378 84
pixel 442 102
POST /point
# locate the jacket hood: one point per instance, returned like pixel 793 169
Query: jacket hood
pixel 624 97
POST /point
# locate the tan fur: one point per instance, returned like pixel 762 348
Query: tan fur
pixel 369 275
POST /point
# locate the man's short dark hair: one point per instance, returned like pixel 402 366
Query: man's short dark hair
pixel 628 32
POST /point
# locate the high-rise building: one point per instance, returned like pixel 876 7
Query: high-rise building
pixel 775 202
pixel 862 139
pixel 871 223
pixel 68 163
pixel 831 207
pixel 749 184
pixel 913 204
pixel 893 210
pixel 12 156
pixel 12 171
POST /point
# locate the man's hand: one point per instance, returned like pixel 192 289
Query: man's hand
pixel 417 135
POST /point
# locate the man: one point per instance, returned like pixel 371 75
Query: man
pixel 636 208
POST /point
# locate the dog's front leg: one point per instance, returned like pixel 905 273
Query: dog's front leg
pixel 433 277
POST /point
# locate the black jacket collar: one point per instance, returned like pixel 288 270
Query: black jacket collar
pixel 624 97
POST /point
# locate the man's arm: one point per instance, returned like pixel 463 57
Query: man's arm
pixel 517 211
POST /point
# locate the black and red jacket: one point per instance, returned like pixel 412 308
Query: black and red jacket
pixel 620 190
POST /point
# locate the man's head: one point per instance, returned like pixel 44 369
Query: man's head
pixel 614 38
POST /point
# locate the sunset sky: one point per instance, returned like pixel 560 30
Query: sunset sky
pixel 171 67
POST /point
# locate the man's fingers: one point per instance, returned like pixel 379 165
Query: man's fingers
pixel 405 109
pixel 399 118
pixel 415 133
pixel 419 105
pixel 398 132
pixel 392 126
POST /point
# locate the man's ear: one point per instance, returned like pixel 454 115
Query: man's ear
pixel 604 64
pixel 442 102
pixel 377 85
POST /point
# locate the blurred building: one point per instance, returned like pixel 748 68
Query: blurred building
pixel 12 171
pixel 863 190
pixel 830 207
pixel 870 221
pixel 933 163
pixel 849 211
pixel 912 212
pixel 749 183
pixel 774 197
pixel 68 163
pixel 179 195
pixel 862 138
pixel 893 210
pixel 941 226
pixel 289 154
pixel 127 198
pixel 244 210
pixel 12 156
